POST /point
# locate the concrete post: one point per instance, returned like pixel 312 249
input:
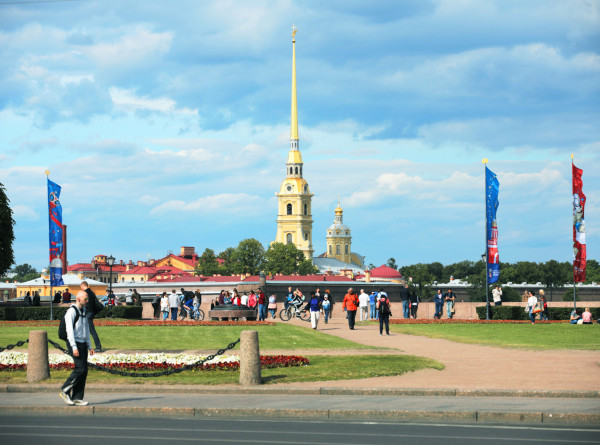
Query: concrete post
pixel 249 359
pixel 38 367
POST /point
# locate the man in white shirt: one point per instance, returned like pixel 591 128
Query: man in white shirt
pixel 78 344
pixel 497 295
pixel 363 304
pixel 174 304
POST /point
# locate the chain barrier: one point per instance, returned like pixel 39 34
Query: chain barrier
pixel 17 345
pixel 197 364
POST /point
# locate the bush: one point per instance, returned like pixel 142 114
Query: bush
pixel 518 313
pixel 43 313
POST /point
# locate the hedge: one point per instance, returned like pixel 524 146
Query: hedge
pixel 518 312
pixel 43 313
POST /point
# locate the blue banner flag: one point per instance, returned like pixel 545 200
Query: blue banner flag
pixel 492 186
pixel 56 234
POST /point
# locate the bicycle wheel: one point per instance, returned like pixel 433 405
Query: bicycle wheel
pixel 199 315
pixel 285 314
pixel 304 315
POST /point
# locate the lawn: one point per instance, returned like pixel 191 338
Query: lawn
pixel 169 337
pixel 525 336
pixel 321 368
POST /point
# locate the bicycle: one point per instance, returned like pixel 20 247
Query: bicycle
pixel 198 314
pixel 295 311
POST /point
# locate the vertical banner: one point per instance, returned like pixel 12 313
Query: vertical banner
pixel 56 234
pixel 493 260
pixel 579 253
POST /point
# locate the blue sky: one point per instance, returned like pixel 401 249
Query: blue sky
pixel 167 123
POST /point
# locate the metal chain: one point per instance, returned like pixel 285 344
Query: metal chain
pixel 199 363
pixel 19 344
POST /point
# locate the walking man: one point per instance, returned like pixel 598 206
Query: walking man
pixel 383 307
pixel 405 297
pixel 262 305
pixel 78 344
pixel 363 305
pixel 351 303
pixel 90 313
pixel 497 295
pixel 173 304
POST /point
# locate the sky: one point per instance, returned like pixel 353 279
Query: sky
pixel 167 123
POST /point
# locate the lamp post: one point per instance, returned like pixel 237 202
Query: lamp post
pixel 111 262
pixel 484 258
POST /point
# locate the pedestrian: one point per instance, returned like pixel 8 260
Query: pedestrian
pixel 531 303
pixel 586 317
pixel 314 304
pixel 78 345
pixel 252 300
pixel 57 297
pixel 137 298
pixel 36 299
pixel 326 305
pixel 129 298
pixel 221 298
pixel 288 298
pixel 262 305
pixel 156 305
pixel 66 296
pixel 273 306
pixel 164 306
pixel 363 304
pixel 244 299
pixel 405 298
pixel 384 309
pixel 497 295
pixel 545 315
pixel 373 305
pixel 351 303
pixel 173 304
pixel 439 304
pixel 449 298
pixel 90 313
pixel 199 296
pixel 414 304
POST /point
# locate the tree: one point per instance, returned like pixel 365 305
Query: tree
pixel 283 258
pixel 249 257
pixel 306 267
pixel 554 274
pixel 7 236
pixel 437 270
pixel 392 263
pixel 207 263
pixel 225 265
pixel 25 272
pixel 421 279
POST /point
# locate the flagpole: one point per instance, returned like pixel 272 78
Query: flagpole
pixel 487 253
pixel 574 284
pixel 49 269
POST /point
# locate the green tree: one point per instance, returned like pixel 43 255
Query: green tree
pixel 554 274
pixel 592 272
pixel 7 236
pixel 249 257
pixel 225 266
pixel 477 290
pixel 207 263
pixel 422 279
pixel 25 272
pixel 437 270
pixel 392 263
pixel 306 267
pixel 283 258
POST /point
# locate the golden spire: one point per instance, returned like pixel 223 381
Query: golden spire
pixel 294 129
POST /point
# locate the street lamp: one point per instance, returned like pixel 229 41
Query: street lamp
pixel 111 262
pixel 484 258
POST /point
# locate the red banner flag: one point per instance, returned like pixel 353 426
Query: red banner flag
pixel 579 254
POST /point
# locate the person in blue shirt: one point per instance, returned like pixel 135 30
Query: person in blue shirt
pixel 373 306
pixel 438 299
pixel 188 306
pixel 314 304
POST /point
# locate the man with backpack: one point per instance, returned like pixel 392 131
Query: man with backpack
pixel 78 343
pixel 93 307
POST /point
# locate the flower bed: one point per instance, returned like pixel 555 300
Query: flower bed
pixel 17 361
pixel 107 322
pixel 470 321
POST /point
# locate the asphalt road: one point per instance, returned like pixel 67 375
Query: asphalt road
pixel 91 430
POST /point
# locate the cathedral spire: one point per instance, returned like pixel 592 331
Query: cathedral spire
pixel 294 126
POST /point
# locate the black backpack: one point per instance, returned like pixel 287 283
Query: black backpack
pixel 62 327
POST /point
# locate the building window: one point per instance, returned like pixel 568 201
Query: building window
pixel 338 251
pixel 289 209
pixel 306 209
pixel 346 249
pixel 329 232
pixel 347 232
pixel 291 170
pixel 305 236
pixel 296 170
pixel 288 239
pixel 330 250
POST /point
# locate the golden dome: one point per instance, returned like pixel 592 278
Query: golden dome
pixel 294 186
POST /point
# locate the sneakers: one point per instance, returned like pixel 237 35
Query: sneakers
pixel 80 402
pixel 63 395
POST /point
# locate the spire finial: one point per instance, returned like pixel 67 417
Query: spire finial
pixel 294 120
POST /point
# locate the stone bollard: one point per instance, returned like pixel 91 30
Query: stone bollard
pixel 38 367
pixel 249 359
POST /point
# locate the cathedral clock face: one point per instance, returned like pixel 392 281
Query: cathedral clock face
pixel 289 188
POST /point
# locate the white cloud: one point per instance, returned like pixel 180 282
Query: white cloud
pixel 128 101
pixel 224 203
pixel 25 213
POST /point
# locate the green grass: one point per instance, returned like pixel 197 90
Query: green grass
pixel 526 336
pixel 321 368
pixel 168 338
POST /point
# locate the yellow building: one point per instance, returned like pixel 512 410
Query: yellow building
pixel 339 241
pixel 294 217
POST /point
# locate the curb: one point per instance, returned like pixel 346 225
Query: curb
pixel 387 415
pixel 322 391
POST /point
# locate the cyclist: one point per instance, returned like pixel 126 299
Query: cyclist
pixel 187 309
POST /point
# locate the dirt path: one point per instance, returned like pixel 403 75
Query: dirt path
pixel 471 366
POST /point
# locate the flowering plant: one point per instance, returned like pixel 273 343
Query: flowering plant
pixel 107 322
pixel 14 361
pixel 463 321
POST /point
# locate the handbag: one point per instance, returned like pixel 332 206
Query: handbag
pixel 537 308
pixel 272 306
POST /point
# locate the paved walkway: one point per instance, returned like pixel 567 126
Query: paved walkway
pixel 469 366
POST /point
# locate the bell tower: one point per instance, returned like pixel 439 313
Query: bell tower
pixel 294 215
